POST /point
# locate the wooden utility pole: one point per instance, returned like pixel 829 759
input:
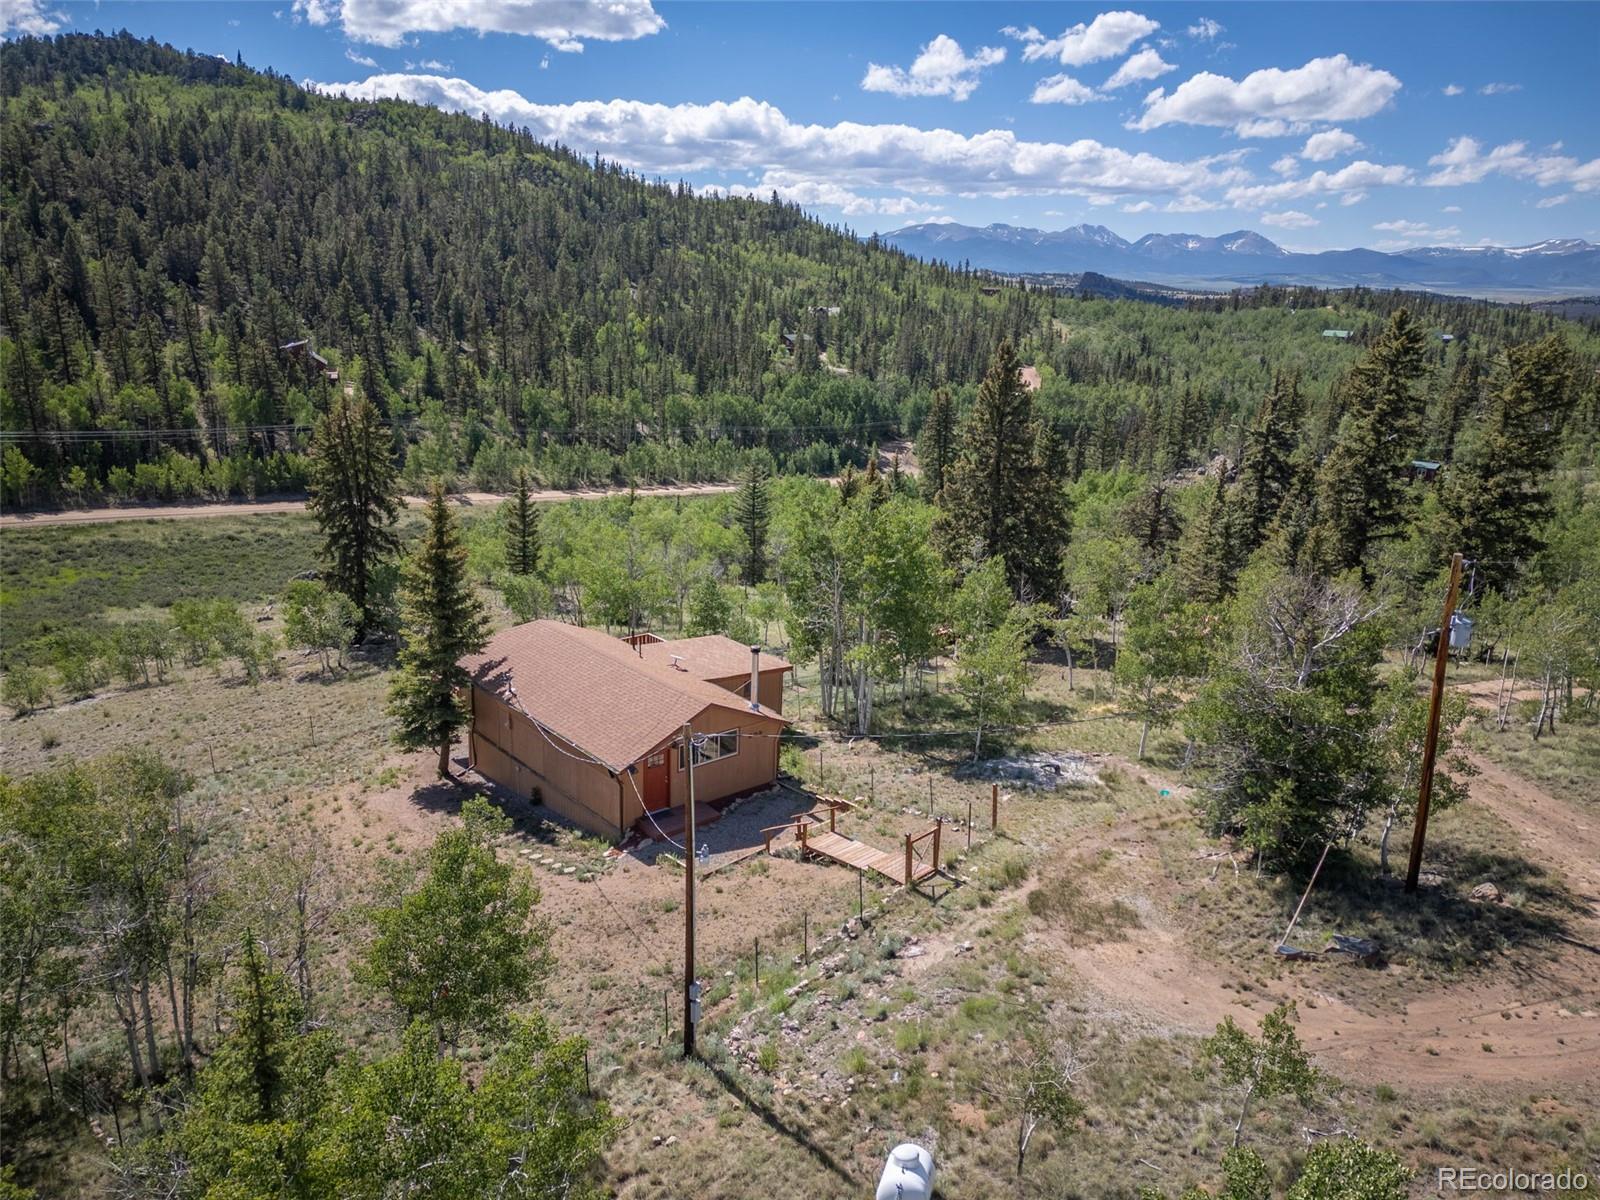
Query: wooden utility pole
pixel 1430 747
pixel 691 999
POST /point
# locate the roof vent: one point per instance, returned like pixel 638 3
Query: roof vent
pixel 677 663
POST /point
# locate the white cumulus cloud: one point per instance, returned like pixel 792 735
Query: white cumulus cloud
pixel 1331 143
pixel 1108 35
pixel 1205 30
pixel 1063 89
pixel 1453 89
pixel 1147 64
pixel 941 69
pixel 564 24
pixel 758 140
pixel 1272 102
pixel 1417 231
pixel 1355 177
pixel 1289 219
pixel 28 17
pixel 1464 161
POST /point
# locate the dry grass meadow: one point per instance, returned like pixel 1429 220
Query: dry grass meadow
pixel 1098 916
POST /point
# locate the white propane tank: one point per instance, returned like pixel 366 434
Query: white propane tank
pixel 908 1175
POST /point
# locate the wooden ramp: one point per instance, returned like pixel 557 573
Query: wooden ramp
pixel 856 854
pixel 862 857
pixel 918 861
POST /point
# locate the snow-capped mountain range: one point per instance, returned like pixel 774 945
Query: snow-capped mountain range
pixel 1245 257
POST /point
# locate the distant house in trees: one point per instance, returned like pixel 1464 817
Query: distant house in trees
pixel 301 354
pixel 590 725
pixel 826 310
pixel 1341 334
pixel 1424 470
pixel 1031 379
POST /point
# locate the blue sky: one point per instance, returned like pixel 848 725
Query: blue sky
pixel 1320 125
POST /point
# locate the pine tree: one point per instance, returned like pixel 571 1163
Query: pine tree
pixel 1460 401
pixel 752 509
pixel 353 500
pixel 442 621
pixel 999 498
pixel 936 447
pixel 1267 471
pixel 522 529
pixel 1361 487
pixel 1152 521
pixel 1208 561
pixel 1498 497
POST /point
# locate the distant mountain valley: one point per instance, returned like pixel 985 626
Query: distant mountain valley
pixel 1559 266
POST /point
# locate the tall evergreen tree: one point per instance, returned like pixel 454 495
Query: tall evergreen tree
pixel 1267 471
pixel 522 529
pixel 353 500
pixel 442 621
pixel 999 498
pixel 1498 496
pixel 752 510
pixel 936 447
pixel 1361 488
pixel 1460 401
pixel 1152 520
pixel 1208 560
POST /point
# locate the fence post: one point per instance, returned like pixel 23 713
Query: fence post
pixel 908 860
pixel 994 807
pixel 805 937
pixel 938 829
pixel 758 964
pixel 969 822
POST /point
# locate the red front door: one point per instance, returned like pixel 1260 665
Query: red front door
pixel 657 782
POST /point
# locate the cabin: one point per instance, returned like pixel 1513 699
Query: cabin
pixel 590 725
pixel 1424 470
pixel 302 355
pixel 1342 334
pixel 1031 379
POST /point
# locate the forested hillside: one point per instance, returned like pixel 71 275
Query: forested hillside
pixel 171 223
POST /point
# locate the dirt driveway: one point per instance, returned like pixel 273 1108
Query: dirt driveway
pixel 247 508
pixel 1523 1024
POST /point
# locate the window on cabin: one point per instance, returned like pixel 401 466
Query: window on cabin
pixel 715 746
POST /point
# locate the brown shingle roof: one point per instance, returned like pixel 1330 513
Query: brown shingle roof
pixel 594 690
pixel 711 657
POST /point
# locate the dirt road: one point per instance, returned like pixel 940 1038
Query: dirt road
pixel 250 508
pixel 1537 1021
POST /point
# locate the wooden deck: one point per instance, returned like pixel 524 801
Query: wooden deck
pixel 863 857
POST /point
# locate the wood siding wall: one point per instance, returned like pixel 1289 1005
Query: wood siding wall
pixel 510 750
pixel 769 692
